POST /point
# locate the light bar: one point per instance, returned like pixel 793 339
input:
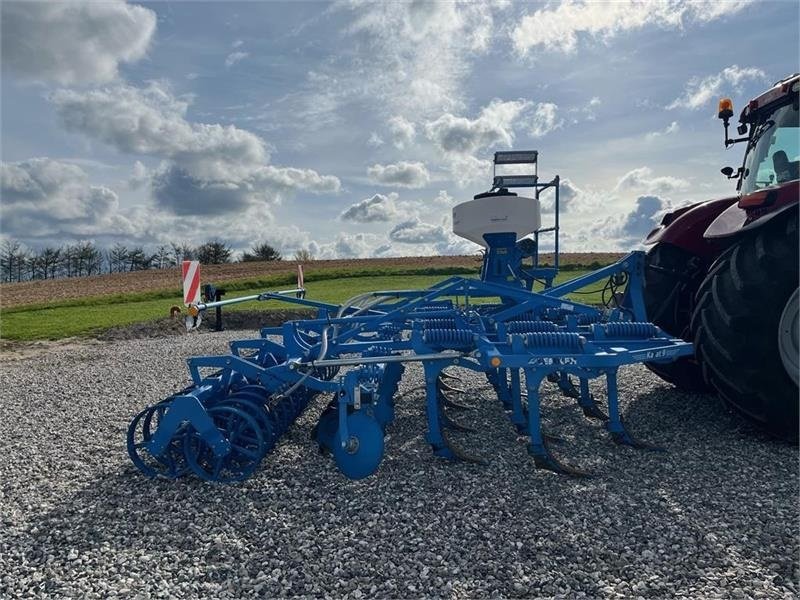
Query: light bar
pixel 509 181
pixel 516 158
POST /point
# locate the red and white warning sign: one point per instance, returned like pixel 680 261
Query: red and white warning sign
pixel 191 282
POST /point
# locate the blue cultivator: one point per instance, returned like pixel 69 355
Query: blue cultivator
pixel 240 404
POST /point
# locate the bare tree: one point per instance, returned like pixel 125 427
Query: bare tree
pixel 303 255
pixel 181 252
pixel 162 259
pixel 117 258
pixel 13 260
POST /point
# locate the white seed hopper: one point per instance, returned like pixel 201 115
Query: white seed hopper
pixel 496 212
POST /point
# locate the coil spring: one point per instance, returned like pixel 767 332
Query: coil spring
pixel 448 337
pixel 588 319
pixel 430 307
pixel 530 326
pixel 630 329
pixel 446 323
pixel 562 340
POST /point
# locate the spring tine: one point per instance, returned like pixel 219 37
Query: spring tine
pixel 567 387
pixel 447 375
pixel 555 439
pixel 462 454
pixel 593 411
pixel 543 459
pixel 442 386
pixel 455 405
pixel 624 438
pixel 449 423
pixel 445 400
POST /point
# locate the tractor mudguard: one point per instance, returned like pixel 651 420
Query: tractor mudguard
pixel 754 210
pixel 686 227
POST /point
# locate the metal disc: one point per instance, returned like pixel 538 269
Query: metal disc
pixel 363 449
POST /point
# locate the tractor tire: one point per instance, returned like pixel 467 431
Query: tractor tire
pixel 672 278
pixel 740 325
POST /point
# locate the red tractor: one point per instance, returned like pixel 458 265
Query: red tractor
pixel 724 273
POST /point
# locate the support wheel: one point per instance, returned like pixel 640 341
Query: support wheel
pixel 745 326
pixel 363 449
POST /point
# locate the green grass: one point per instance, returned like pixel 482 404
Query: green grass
pixel 92 315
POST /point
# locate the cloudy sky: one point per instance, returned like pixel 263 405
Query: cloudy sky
pixel 352 128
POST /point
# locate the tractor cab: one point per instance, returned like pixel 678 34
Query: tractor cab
pixel 767 181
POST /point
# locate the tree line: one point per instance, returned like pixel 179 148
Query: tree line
pixel 18 263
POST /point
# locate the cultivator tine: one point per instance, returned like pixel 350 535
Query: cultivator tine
pixel 590 406
pixel 461 454
pixel 544 459
pixel 445 400
pixel 449 388
pixel 624 438
pixel 449 423
pixel 567 387
pixel 447 375
pixel 449 403
pixel 553 439
pixel 615 425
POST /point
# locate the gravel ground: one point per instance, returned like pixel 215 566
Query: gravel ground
pixel 715 516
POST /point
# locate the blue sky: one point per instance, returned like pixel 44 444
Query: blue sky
pixel 352 128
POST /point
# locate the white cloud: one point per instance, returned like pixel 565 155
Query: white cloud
pixel 45 197
pixel 642 179
pixel 139 176
pixel 419 53
pixel 700 91
pixel 544 119
pixel 401 174
pixel 493 125
pixel 415 231
pixel 558 28
pixel 402 130
pixel 235 57
pixel 209 168
pixel 73 42
pixel 374 141
pixel 378 208
pixel 668 130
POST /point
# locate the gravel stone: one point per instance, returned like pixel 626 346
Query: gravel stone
pixel 714 517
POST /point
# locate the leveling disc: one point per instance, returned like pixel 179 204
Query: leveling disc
pixel 363 449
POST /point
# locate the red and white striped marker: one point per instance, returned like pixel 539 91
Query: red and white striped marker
pixel 191 282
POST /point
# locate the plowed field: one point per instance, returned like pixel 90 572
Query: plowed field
pixel 56 290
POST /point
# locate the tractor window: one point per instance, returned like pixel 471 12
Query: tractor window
pixel 773 155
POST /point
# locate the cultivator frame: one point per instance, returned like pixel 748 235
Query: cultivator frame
pixel 239 404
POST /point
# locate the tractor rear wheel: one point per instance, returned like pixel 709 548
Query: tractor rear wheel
pixel 744 321
pixel 672 278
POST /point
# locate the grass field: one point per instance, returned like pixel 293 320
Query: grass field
pixel 88 316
